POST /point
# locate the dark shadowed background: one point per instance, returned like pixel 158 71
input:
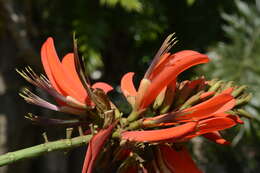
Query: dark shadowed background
pixel 117 36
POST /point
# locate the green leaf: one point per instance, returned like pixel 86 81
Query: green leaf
pixel 190 2
pixel 132 5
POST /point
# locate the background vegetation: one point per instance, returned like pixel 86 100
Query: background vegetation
pixel 116 36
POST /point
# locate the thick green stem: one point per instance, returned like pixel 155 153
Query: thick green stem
pixel 41 149
pixel 63 144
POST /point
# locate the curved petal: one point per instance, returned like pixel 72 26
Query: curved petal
pixel 206 94
pixel 228 91
pixel 215 105
pixel 68 64
pixel 178 161
pixel 179 59
pixel 216 137
pixel 179 62
pixel 47 68
pixel 55 71
pixel 212 125
pixel 160 135
pixel 94 147
pixel 163 60
pixel 104 86
pixel 127 85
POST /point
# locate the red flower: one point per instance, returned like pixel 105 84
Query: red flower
pixel 186 119
pixel 159 76
pixel 63 75
pixel 206 118
pixel 175 161
pixel 95 147
pixel 63 82
pixel 172 133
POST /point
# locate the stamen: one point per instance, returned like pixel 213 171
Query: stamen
pixel 73 102
pixel 32 98
pixel 168 43
pixel 43 82
pixel 29 75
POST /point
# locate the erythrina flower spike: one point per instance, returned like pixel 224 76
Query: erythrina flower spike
pixel 63 82
pixel 166 112
pixel 163 71
pixel 210 115
pixel 190 108
pixel 73 96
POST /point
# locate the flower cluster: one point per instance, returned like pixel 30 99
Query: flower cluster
pixel 166 113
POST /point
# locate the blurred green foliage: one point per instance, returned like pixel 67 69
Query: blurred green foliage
pixel 116 35
pixel 133 5
pixel 240 55
pixel 237 59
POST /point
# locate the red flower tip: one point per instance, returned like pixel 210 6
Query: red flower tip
pixel 127 86
pixel 206 94
pixel 167 70
pixel 218 104
pixel 216 137
pixel 172 133
pixel 104 86
pixel 63 76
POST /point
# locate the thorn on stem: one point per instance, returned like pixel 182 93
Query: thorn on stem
pixel 80 131
pixel 69 133
pixel 45 137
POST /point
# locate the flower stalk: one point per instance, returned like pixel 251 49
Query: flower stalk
pixel 35 151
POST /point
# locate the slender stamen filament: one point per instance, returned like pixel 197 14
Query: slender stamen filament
pixel 34 99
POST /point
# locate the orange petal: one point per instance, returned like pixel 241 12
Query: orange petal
pixel 178 59
pixel 127 85
pixel 207 94
pixel 61 78
pixel 104 86
pixel 178 161
pixel 215 105
pixel 68 64
pixel 158 67
pixel 160 135
pixel 212 125
pixel 228 91
pixel 215 124
pixel 163 60
pixel 47 68
pixel 216 137
pixel 94 147
pixel 175 65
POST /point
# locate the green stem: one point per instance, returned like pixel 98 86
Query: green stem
pixel 41 149
pixel 63 144
pixel 133 116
